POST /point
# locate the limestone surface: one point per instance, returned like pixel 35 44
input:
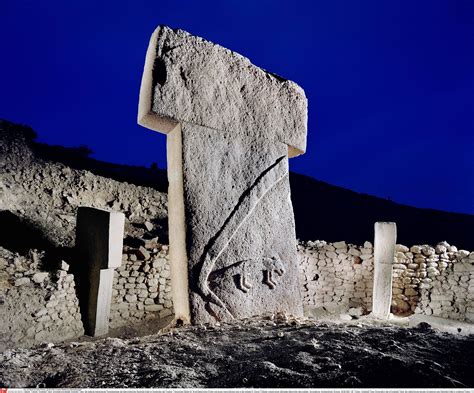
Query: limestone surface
pixel 99 242
pixel 43 308
pixel 231 127
pixel 384 254
pixel 187 78
pixel 242 257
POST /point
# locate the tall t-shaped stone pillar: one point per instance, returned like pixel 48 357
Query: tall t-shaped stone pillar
pixel 384 253
pixel 230 127
pixel 99 243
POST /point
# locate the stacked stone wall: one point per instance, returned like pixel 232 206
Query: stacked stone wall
pixel 428 280
pixel 142 285
pixel 336 276
pixel 36 305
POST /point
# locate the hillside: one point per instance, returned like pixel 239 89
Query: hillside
pixel 322 211
pixel 41 187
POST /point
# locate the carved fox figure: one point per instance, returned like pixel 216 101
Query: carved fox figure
pixel 268 179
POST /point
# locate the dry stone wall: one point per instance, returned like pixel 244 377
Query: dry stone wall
pixel 39 303
pixel 36 305
pixel 142 286
pixel 336 276
pixel 428 280
pixel 447 286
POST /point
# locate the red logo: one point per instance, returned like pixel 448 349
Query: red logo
pixel 3 390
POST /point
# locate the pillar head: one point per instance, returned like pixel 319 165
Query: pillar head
pixel 99 233
pixel 384 242
pixel 189 79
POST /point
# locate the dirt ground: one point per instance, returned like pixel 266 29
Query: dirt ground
pixel 268 353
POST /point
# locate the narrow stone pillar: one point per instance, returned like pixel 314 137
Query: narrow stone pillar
pixel 99 243
pixel 231 128
pixel 384 253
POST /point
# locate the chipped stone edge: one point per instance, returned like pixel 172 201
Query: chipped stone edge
pixel 164 124
pixel 146 117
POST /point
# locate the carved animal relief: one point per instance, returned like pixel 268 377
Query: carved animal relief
pixel 231 128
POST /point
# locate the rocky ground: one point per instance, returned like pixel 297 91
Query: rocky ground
pixel 258 354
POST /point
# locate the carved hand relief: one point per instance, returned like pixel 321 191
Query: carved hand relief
pixel 250 272
pixel 272 266
pixel 252 267
pixel 247 202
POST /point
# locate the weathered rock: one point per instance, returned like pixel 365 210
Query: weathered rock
pixel 340 245
pixel 231 127
pixel 131 298
pixel 22 281
pixel 64 266
pixel 354 251
pixel 356 312
pixel 99 241
pixel 39 277
pixel 143 253
pixel 357 260
pixel 149 226
pixel 189 79
pixel 428 251
pixel 368 245
pixel 401 248
pixel 345 317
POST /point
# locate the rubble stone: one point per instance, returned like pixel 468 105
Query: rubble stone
pixel 448 289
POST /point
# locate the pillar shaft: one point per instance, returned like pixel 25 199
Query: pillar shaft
pixel 99 242
pixel 232 234
pixel 177 227
pixel 384 253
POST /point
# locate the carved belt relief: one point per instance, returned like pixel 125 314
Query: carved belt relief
pixel 270 267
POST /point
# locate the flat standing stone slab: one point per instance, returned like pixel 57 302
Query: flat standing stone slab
pixel 99 242
pixel 384 254
pixel 230 127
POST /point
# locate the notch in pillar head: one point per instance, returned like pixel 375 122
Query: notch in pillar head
pixel 386 229
pixel 188 79
pixel 153 72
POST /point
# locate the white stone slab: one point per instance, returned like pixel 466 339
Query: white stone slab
pixel 384 253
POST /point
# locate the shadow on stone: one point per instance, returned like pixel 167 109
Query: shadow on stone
pixel 22 236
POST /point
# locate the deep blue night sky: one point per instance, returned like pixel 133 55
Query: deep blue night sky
pixel 390 83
